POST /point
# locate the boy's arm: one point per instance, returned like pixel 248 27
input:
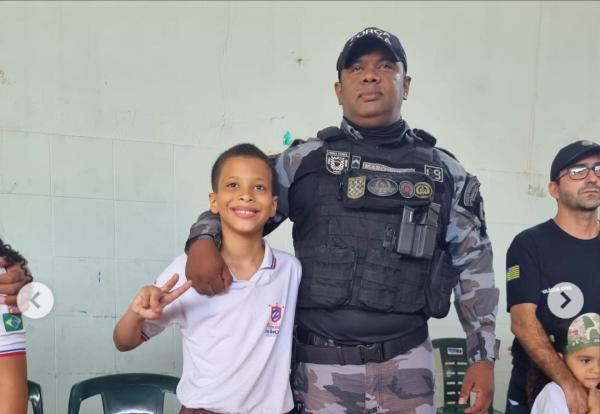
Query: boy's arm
pixel 148 304
pixel 128 332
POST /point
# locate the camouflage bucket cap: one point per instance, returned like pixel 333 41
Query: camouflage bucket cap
pixel 584 331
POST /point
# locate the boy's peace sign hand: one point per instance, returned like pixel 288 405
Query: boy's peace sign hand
pixel 151 300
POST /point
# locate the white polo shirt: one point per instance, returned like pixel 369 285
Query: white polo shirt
pixel 237 345
pixel 12 333
pixel 551 400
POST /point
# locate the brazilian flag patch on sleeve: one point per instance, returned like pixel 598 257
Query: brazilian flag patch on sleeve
pixel 513 273
pixel 12 322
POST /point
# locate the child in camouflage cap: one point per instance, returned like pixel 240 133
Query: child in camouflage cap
pixel 577 342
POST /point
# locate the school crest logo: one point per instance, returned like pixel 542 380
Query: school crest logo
pixel 336 161
pixel 276 313
pixel 356 187
pixel 275 318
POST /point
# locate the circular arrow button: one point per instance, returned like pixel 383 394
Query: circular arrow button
pixel 565 300
pixel 35 300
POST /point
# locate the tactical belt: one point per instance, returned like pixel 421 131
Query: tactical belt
pixel 315 349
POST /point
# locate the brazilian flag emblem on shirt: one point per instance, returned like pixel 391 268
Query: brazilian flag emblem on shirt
pixel 12 323
pixel 513 273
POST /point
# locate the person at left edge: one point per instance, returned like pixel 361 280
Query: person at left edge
pixel 13 362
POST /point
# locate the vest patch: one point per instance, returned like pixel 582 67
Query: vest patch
pixel 372 166
pixel 383 187
pixel 407 189
pixel 423 190
pixel 356 187
pixel 336 161
pixel 435 173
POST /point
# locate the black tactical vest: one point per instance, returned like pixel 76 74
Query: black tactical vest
pixel 369 226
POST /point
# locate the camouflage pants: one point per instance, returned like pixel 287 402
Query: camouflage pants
pixel 402 385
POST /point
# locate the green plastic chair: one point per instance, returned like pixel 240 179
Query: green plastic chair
pixel 453 354
pixel 125 393
pixel 35 397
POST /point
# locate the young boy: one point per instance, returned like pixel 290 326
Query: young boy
pixel 578 344
pixel 237 345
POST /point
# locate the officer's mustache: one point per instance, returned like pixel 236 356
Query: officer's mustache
pixel 591 186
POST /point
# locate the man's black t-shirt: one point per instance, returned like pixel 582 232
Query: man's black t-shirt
pixel 537 260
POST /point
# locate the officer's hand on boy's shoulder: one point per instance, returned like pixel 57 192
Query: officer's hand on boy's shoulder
pixel 479 379
pixel 206 269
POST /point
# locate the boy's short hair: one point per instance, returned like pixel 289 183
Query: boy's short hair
pixel 242 150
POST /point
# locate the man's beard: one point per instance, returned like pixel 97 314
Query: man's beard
pixel 578 203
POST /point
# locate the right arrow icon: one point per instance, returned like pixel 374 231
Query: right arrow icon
pixel 567 300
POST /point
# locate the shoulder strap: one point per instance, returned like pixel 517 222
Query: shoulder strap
pixel 430 139
pixel 424 136
pixel 331 133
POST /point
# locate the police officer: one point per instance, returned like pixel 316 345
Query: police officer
pixel 386 225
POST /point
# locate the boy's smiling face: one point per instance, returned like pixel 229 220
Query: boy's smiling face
pixel 244 196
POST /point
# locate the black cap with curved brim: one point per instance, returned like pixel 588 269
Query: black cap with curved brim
pixel 570 154
pixel 367 40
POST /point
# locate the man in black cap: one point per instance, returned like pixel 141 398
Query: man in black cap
pixel 386 225
pixel 553 272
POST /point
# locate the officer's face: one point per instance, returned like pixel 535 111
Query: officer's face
pixel 371 90
pixel 578 195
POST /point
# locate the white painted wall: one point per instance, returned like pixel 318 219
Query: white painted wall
pixel 111 115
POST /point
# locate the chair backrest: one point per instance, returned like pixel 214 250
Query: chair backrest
pixel 35 397
pixel 125 393
pixel 453 353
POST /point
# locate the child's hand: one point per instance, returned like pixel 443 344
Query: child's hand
pixel 151 300
pixel 594 401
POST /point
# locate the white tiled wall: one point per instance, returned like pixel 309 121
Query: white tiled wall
pixel 111 115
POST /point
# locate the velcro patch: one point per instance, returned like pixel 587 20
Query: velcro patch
pixel 472 201
pixel 513 272
pixel 12 322
pixel 356 187
pixel 336 162
pixel 436 173
pixel 471 192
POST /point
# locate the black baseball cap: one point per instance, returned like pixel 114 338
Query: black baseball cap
pixel 571 153
pixel 368 39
